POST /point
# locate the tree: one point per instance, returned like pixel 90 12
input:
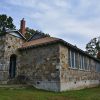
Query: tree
pixel 30 32
pixel 93 47
pixel 6 22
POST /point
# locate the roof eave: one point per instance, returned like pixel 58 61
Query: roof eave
pixel 8 31
pixel 60 41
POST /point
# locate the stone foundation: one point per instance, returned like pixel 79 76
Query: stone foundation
pixel 77 85
pixel 48 85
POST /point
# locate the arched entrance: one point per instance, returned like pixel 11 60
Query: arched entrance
pixel 12 67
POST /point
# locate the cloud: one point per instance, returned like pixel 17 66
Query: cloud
pixel 22 3
pixel 76 21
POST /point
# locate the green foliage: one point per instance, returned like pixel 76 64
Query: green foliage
pixel 6 22
pixel 93 47
pixel 30 32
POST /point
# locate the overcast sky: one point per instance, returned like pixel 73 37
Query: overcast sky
pixel 75 21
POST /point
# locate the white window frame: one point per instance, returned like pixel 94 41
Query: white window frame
pixel 72 64
pixel 81 62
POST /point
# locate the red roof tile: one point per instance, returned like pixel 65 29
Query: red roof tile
pixel 47 40
pixel 39 42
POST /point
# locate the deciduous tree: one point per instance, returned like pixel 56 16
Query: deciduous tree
pixel 6 22
pixel 93 47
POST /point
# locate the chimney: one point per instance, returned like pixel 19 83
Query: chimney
pixel 22 27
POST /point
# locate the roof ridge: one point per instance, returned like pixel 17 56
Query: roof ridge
pixel 37 35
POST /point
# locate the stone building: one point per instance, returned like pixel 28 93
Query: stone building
pixel 45 62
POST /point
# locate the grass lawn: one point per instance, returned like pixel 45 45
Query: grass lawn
pixel 34 94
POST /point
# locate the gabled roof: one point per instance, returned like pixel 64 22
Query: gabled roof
pixel 39 41
pixel 17 32
pixel 51 40
pixel 14 32
pixel 37 35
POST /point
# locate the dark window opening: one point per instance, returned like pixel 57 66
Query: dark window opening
pixel 9 46
pixel 38 82
pixel 12 67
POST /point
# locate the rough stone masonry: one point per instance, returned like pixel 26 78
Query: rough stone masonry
pixel 45 62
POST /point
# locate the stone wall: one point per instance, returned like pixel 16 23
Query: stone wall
pixel 44 67
pixel 2 61
pixel 74 78
pixel 40 67
pixel 9 45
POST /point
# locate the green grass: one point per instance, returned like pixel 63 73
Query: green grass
pixel 34 94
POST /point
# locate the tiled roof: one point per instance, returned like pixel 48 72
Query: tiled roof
pixel 40 41
pixel 50 40
pixel 38 35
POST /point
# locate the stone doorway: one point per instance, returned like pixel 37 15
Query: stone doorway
pixel 12 67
